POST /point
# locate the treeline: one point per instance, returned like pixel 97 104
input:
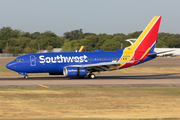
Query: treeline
pixel 91 41
pixel 16 41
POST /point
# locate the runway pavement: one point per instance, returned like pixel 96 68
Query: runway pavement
pixel 101 81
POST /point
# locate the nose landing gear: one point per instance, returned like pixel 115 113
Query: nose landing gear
pixel 26 77
pixel 24 73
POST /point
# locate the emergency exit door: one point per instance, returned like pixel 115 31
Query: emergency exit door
pixel 32 60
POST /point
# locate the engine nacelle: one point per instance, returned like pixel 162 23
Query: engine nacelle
pixel 74 71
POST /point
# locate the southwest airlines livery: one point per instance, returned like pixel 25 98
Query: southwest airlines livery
pixel 81 64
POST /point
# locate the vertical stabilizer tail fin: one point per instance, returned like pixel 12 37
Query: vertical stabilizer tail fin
pixel 81 49
pixel 143 45
pixel 146 41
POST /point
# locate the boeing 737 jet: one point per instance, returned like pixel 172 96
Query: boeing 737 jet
pixel 81 64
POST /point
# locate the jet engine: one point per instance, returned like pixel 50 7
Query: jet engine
pixel 74 71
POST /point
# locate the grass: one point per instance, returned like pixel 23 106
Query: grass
pixel 96 119
pixel 131 70
pixel 90 103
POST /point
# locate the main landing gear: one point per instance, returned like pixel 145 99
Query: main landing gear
pixel 91 76
pixel 26 77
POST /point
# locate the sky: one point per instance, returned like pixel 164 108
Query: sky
pixel 94 16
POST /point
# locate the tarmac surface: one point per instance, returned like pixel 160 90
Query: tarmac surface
pixel 168 80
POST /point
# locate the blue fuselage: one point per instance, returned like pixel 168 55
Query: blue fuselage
pixel 55 62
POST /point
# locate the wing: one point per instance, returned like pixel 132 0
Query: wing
pixel 104 66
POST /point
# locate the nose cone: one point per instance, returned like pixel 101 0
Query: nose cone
pixel 11 66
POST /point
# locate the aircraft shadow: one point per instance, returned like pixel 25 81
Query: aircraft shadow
pixel 99 77
pixel 135 77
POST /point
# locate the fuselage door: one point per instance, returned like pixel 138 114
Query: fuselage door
pixel 32 60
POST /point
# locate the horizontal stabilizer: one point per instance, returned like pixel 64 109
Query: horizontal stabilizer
pixel 160 52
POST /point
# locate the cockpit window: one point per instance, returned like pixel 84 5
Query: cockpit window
pixel 18 60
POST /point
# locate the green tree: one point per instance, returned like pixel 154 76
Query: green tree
pixel 92 43
pixel 50 48
pixel 26 34
pixel 15 49
pixel 5 33
pixel 27 50
pixel 134 34
pixel 5 50
pixel 74 35
pixel 35 35
pixel 67 46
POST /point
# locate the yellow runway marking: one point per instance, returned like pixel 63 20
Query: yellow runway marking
pixel 44 86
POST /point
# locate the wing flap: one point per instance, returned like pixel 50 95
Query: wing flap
pixel 105 66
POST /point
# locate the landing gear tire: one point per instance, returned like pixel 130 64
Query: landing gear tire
pixel 26 77
pixel 91 76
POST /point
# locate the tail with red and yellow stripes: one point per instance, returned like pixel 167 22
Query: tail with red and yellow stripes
pixel 147 39
pixel 144 44
pixel 81 49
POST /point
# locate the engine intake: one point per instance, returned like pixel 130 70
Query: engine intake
pixel 74 71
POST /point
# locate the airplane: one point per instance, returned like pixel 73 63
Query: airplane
pixel 161 52
pixel 81 49
pixel 81 64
